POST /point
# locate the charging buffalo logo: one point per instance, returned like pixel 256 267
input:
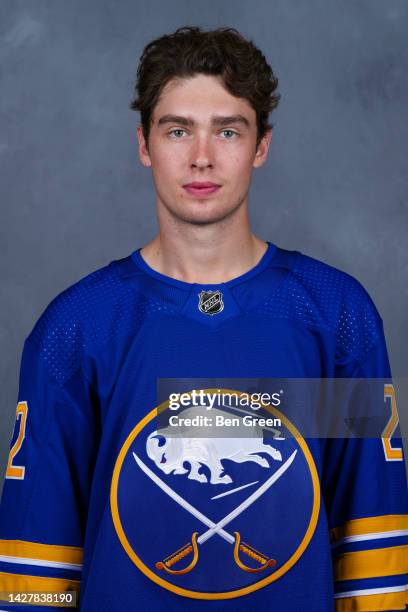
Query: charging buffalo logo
pixel 214 517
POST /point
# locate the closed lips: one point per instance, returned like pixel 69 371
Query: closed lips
pixel 201 185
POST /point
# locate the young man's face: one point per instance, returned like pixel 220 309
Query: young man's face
pixel 202 134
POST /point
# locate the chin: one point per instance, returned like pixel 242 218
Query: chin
pixel 202 213
pixel 201 217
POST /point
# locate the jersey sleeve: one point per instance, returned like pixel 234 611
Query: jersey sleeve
pixel 366 498
pixel 48 478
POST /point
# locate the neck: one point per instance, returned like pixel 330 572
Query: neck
pixel 210 253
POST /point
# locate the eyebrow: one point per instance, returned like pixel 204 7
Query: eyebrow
pixel 217 121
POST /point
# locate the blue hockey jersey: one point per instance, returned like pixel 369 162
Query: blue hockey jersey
pixel 98 501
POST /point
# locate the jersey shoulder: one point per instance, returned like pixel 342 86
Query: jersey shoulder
pixel 323 297
pixel 99 306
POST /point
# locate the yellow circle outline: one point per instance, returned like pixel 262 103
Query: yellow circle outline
pixel 227 594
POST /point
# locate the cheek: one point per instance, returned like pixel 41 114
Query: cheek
pixel 165 166
pixel 240 166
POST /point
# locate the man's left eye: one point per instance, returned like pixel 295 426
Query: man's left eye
pixel 229 133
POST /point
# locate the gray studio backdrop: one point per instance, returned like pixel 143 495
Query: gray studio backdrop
pixel 74 195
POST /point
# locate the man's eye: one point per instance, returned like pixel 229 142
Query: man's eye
pixel 176 132
pixel 230 133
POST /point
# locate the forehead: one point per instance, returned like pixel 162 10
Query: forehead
pixel 201 96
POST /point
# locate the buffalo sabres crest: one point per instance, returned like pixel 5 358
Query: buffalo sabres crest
pixel 210 302
pixel 214 517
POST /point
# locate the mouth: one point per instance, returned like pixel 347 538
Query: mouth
pixel 201 190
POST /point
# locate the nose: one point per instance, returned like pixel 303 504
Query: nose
pixel 202 154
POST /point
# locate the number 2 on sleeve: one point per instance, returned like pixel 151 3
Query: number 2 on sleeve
pixel 391 453
pixel 17 471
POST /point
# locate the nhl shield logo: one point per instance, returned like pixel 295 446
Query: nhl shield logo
pixel 210 302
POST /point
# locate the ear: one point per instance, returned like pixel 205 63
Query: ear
pixel 263 148
pixel 143 150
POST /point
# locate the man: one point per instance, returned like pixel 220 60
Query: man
pixel 100 498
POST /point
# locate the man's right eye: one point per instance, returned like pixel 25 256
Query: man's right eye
pixel 176 132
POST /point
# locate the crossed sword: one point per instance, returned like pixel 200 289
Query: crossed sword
pixel 215 528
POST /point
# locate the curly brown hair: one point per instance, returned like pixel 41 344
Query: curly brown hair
pixel 189 51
